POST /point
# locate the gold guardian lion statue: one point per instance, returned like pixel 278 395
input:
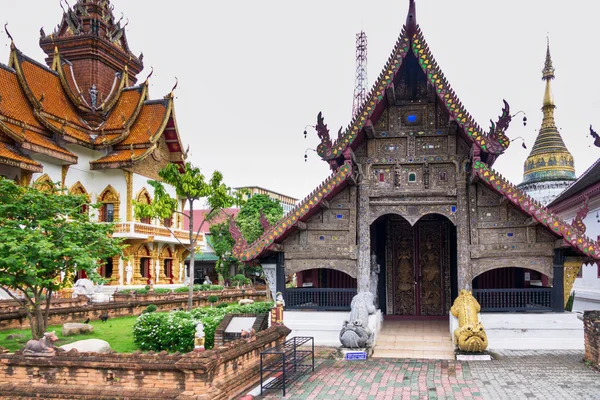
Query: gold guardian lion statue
pixel 470 335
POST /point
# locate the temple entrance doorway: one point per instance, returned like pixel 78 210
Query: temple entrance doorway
pixel 417 264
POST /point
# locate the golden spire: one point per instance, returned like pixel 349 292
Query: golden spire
pixel 549 160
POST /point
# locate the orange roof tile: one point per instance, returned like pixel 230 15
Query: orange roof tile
pixel 44 141
pixel 14 104
pixel 71 131
pixel 44 82
pixel 121 155
pixel 124 110
pixel 149 122
pixel 9 153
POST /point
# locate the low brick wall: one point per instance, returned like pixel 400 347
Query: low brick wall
pixel 218 374
pixel 7 306
pixel 261 323
pixel 591 328
pixel 134 306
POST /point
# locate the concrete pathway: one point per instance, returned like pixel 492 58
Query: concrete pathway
pixel 513 375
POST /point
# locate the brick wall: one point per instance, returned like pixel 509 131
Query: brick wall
pixel 12 305
pixel 221 338
pixel 132 305
pixel 218 374
pixel 591 327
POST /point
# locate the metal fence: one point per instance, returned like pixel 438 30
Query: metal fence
pixel 319 299
pixel 510 300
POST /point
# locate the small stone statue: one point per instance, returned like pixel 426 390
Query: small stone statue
pixel 157 269
pixel 375 270
pixel 470 335
pixel 129 273
pixel 355 331
pixel 248 334
pixel 94 95
pixel 199 337
pixel 279 301
pixel 41 348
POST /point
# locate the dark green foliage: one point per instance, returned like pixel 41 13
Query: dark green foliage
pixel 249 217
pixel 151 308
pixel 182 289
pixel 569 306
pixel 175 331
pixel 216 287
pixel 222 305
pixel 162 291
pixel 240 280
pixel 212 298
pixel 125 291
pixel 140 291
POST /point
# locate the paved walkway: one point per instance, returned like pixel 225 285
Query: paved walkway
pixel 513 375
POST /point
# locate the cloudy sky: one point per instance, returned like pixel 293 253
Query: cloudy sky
pixel 253 74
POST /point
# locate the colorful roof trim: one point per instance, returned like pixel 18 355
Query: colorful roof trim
pixel 494 142
pixel 120 156
pixel 312 201
pixel 537 211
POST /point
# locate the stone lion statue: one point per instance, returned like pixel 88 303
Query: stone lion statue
pixel 355 331
pixel 42 347
pixel 470 335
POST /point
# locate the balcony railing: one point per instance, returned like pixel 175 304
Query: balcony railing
pixel 319 299
pixel 511 300
pixel 135 229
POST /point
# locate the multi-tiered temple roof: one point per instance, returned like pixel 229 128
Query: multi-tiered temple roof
pixel 84 96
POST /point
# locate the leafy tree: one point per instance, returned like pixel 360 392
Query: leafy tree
pixel 249 217
pixel 249 223
pixel 191 186
pixel 46 234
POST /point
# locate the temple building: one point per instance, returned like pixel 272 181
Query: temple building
pixel 549 169
pixel 415 211
pixel 82 120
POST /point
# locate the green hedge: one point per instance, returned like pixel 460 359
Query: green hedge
pixel 175 331
pixel 162 291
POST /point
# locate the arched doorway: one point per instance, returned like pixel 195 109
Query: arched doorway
pixel 144 255
pixel 167 257
pixel 418 265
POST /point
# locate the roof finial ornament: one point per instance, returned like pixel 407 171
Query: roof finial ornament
pixel 548 70
pixel 8 33
pixel 596 136
pixel 150 74
pixel 411 19
pixel 175 86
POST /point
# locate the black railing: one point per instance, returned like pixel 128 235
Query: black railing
pixel 511 300
pixel 319 299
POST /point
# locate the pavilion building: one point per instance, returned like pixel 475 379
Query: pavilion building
pixel 82 120
pixel 549 169
pixel 413 189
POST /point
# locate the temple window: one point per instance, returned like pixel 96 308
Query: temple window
pixel 143 197
pixel 108 212
pixel 168 222
pixel 381 177
pixel 443 176
pixel 412 177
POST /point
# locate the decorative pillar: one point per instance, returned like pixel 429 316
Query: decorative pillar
pixel 65 170
pixel 558 294
pixel 137 272
pixel 572 267
pixel 129 201
pixel 121 271
pixel 270 271
pixel 280 263
pixel 463 241
pixel 364 237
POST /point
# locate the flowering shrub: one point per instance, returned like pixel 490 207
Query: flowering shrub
pixel 174 331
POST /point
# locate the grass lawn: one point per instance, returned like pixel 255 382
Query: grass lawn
pixel 118 332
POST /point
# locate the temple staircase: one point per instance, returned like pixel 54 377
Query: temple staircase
pixel 414 339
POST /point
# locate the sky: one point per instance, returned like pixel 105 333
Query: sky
pixel 253 74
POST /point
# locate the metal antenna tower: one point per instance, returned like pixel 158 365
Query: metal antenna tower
pixel 360 86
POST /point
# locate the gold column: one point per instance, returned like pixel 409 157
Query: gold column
pixel 26 178
pixel 65 170
pixel 572 267
pixel 129 201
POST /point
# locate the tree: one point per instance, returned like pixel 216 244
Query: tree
pixel 191 186
pixel 47 234
pixel 250 225
pixel 249 217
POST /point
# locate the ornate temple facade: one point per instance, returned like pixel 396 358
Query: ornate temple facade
pixel 550 167
pixel 83 121
pixel 414 210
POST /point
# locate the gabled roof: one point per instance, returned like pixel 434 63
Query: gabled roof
pixel 411 39
pixel 302 212
pixel 587 180
pixel 537 211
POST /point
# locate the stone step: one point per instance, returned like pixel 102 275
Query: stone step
pixel 415 346
pixel 426 354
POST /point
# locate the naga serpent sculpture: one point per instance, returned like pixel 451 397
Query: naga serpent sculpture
pixel 470 335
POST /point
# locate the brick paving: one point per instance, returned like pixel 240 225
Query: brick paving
pixel 512 375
